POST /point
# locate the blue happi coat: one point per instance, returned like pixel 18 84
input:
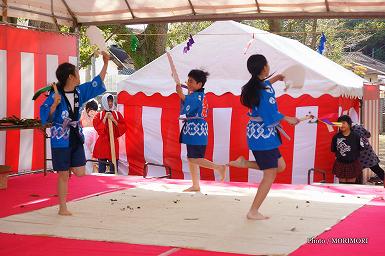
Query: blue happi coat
pixel 262 133
pixel 195 128
pixel 59 133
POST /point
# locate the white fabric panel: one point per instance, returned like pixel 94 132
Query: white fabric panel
pixel 153 143
pixel 354 115
pixel 227 64
pixel 73 60
pixel 52 62
pixel 222 129
pixel 183 157
pixel 3 101
pixel 90 137
pixel 123 162
pixel 254 176
pixel 305 139
pixel 27 109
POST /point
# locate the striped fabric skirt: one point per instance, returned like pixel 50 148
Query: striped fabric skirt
pixel 347 170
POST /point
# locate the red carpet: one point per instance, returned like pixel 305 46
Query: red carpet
pixel 35 191
pixel 22 245
pixel 32 192
pixel 367 222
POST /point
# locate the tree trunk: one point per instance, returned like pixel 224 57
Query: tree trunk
pixel 154 45
pixel 314 34
pixel 275 25
pixel 304 36
pixel 151 45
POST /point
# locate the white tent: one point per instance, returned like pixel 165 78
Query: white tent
pixel 151 107
pixel 220 50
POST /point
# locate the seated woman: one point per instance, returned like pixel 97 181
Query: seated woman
pixel 102 149
pixel 90 134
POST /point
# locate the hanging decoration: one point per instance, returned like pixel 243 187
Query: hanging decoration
pixel 134 42
pixel 322 42
pixel 190 42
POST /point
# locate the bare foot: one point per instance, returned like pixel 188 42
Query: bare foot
pixel 222 172
pixel 192 189
pixel 64 212
pixel 256 216
pixel 240 162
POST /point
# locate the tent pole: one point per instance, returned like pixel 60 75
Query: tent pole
pixel 192 7
pixel 75 21
pixel 5 10
pixel 53 17
pixel 258 8
pixel 327 6
pixel 130 9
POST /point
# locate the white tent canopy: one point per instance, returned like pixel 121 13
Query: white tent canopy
pixel 70 12
pixel 219 49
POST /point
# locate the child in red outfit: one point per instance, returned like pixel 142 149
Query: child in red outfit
pixel 102 150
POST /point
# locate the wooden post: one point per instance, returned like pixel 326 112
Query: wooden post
pixel 112 144
pixel 5 10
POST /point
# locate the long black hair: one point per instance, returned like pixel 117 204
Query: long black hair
pixel 63 71
pixel 251 91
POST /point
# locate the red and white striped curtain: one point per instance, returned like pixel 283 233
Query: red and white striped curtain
pixel 28 61
pixel 153 135
pixel 371 113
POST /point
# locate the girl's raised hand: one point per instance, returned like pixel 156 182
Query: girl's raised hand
pixel 106 57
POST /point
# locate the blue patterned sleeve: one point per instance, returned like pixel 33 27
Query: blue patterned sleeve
pixel 190 105
pixel 268 109
pixel 92 89
pixel 45 109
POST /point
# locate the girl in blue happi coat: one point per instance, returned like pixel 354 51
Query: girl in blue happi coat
pixel 263 136
pixel 61 108
pixel 195 129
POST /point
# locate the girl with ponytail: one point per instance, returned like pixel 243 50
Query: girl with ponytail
pixel 262 130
